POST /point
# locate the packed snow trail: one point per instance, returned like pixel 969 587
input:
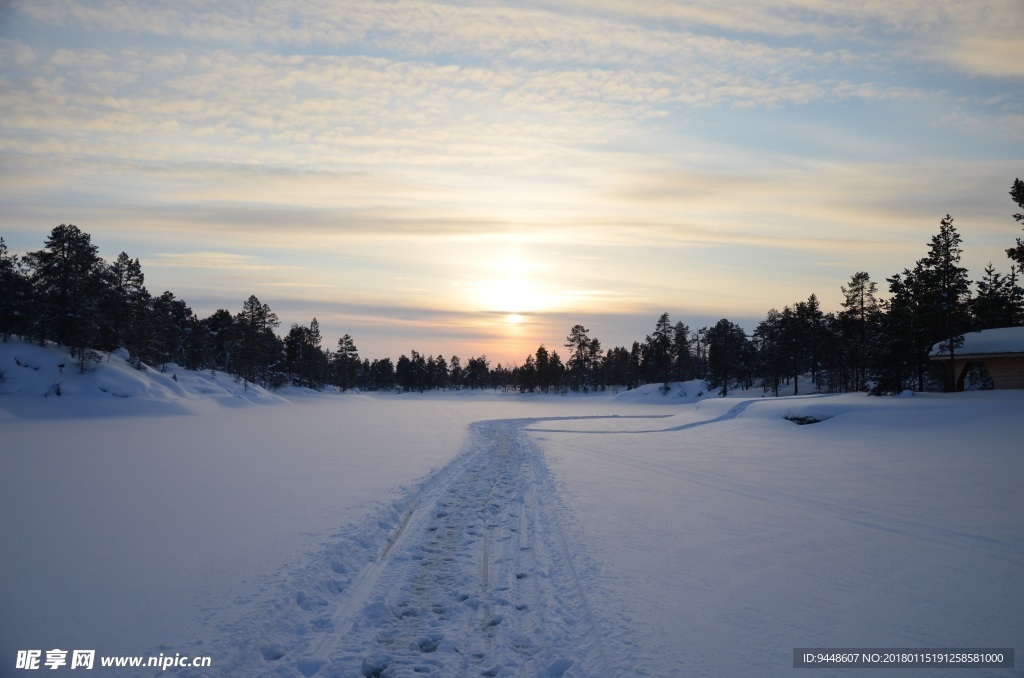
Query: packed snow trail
pixel 474 577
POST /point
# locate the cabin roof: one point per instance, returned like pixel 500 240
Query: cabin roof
pixel 1002 340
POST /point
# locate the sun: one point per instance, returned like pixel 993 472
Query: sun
pixel 510 294
pixel 509 290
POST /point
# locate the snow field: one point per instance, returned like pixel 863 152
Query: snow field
pixel 482 534
pixel 895 522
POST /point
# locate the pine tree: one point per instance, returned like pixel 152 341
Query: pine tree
pixel 457 377
pixel 501 378
pixel 124 303
pixel 403 373
pixel 477 373
pixel 172 323
pixel 15 294
pixel 439 378
pixel 223 337
pixel 793 346
pixel 659 352
pixel 527 375
pixel 594 354
pixel 729 356
pixel 418 371
pixel 682 359
pixel 699 344
pixel 306 362
pixel 1017 193
pixel 615 366
pixel 67 280
pixel 771 353
pixel 634 371
pixel 542 361
pixel 260 350
pixel 578 343
pixel 381 375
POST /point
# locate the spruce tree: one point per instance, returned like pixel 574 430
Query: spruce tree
pixel 946 290
pixel 345 363
pixel 898 356
pixel 999 301
pixel 810 320
pixel 858 322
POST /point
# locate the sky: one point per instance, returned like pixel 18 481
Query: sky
pixel 473 177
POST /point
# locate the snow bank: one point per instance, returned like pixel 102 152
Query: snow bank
pixel 46 381
pixel 676 392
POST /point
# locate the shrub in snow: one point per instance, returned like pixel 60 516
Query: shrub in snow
pixel 804 419
pixel 86 360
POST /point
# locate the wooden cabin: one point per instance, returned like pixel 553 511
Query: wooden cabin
pixel 1000 350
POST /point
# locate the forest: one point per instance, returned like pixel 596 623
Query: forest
pixel 67 294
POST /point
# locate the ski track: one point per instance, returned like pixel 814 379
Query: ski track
pixel 733 412
pixel 472 575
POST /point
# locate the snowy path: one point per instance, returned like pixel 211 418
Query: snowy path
pixel 476 578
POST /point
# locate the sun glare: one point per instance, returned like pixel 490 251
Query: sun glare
pixel 507 288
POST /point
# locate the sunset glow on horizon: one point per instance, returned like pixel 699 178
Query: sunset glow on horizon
pixel 474 178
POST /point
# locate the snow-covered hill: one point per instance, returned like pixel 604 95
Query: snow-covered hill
pixel 47 381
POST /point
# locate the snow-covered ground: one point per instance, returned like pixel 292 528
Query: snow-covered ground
pixel 498 534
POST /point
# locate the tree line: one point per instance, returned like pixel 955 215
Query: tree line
pixel 66 293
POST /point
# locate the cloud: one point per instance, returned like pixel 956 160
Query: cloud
pixel 998 57
pixel 638 153
pixel 212 260
pixel 427 85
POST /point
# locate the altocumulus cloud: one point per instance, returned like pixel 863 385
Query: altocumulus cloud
pixel 687 145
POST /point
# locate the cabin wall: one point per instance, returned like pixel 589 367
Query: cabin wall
pixel 1005 372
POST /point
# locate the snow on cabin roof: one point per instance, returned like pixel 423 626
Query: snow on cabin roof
pixel 999 340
